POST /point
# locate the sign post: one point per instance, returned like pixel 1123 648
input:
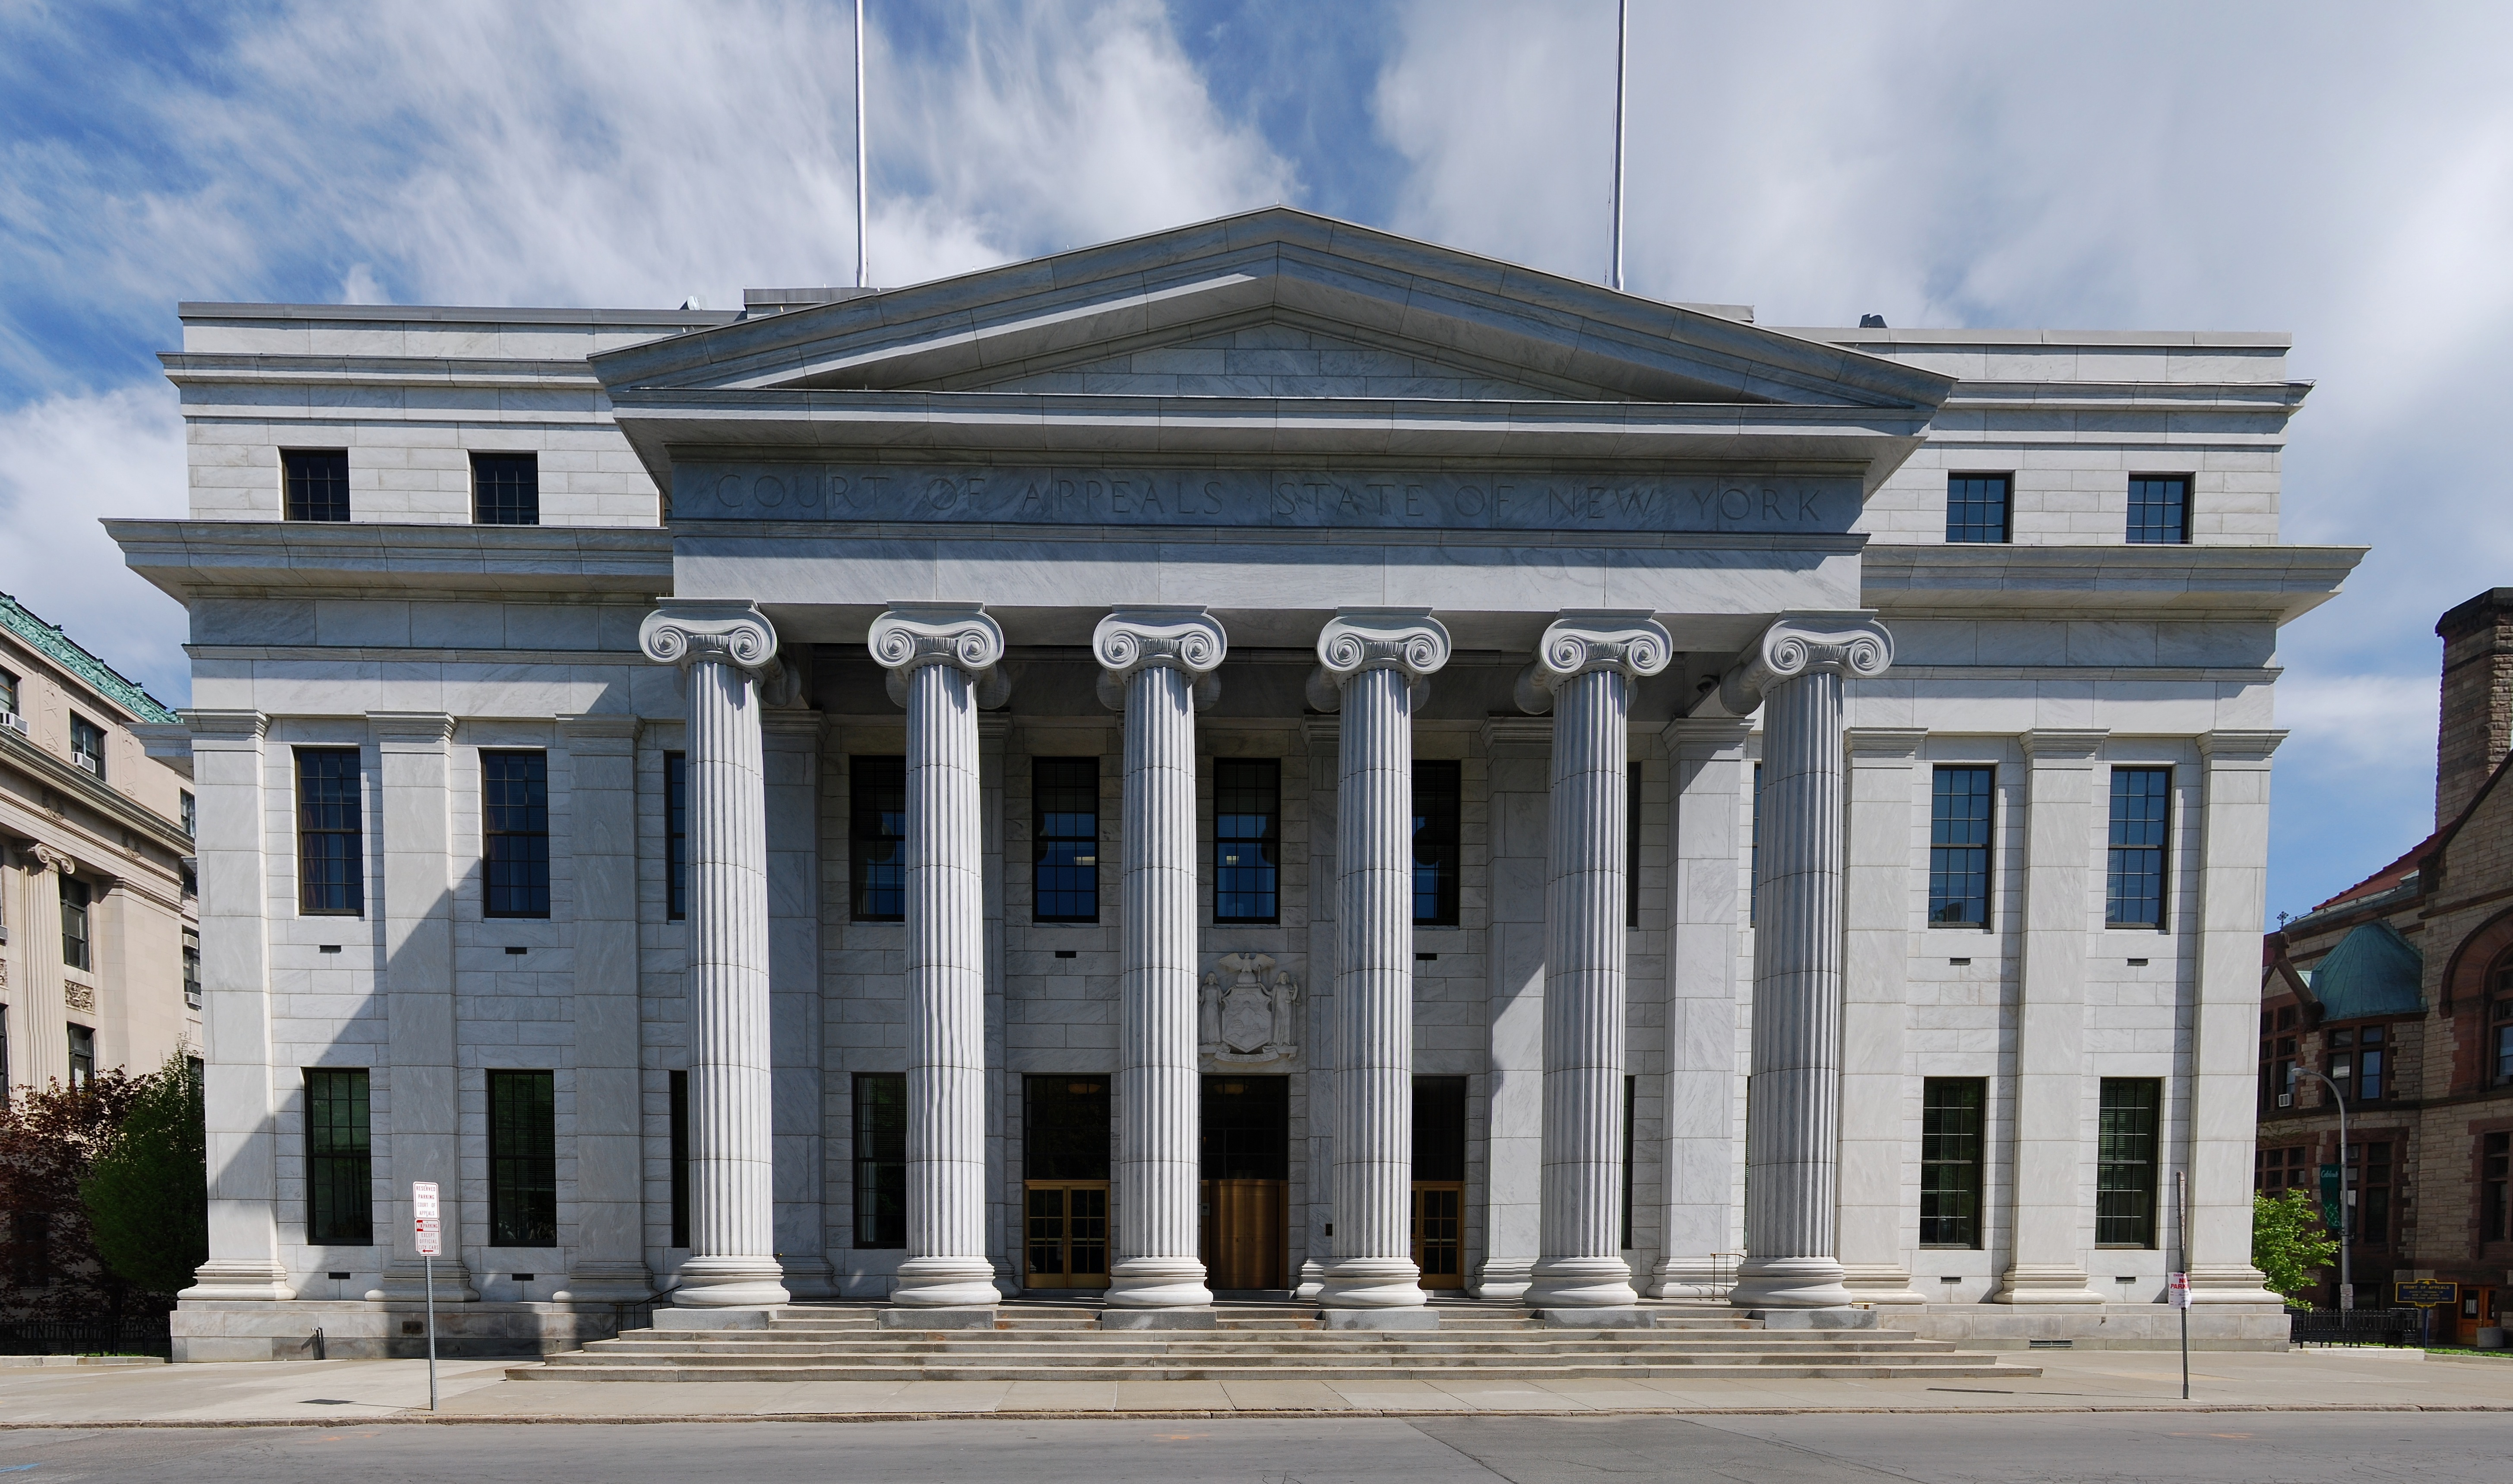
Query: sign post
pixel 2425 1294
pixel 431 1241
pixel 2177 1288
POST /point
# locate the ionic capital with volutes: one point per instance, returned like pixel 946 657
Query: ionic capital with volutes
pixel 1407 639
pixel 1851 645
pixel 1132 639
pixel 909 636
pixel 728 632
pixel 1579 643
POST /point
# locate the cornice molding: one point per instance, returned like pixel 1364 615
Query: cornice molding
pixel 93 792
pixel 2062 746
pixel 432 728
pixel 2237 747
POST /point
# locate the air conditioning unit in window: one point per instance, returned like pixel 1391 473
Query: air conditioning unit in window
pixel 17 722
pixel 89 761
pixel 2286 1100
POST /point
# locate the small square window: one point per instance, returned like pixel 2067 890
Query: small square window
pixel 1979 508
pixel 506 489
pixel 314 483
pixel 2159 509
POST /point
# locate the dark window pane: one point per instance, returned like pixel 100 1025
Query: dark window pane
pixel 1959 824
pixel 1437 798
pixel 2141 810
pixel 678 1130
pixel 1632 847
pixel 2125 1153
pixel 676 835
pixel 1630 1087
pixel 1247 1128
pixel 1440 1128
pixel 1247 839
pixel 523 1159
pixel 878 812
pixel 1754 862
pixel 881 1159
pixel 2159 510
pixel 76 898
pixel 514 829
pixel 1950 1161
pixel 330 829
pixel 506 489
pixel 1064 1127
pixel 82 1040
pixel 339 1206
pixel 316 483
pixel 1976 507
pixel 1065 813
pixel 87 744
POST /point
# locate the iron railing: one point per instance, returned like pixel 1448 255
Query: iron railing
pixel 2356 1326
pixel 101 1335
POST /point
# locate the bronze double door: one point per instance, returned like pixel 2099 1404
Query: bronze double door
pixel 1246 1156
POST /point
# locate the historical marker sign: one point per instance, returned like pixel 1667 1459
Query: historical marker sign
pixel 2427 1293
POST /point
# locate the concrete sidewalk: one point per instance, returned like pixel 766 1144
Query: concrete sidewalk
pixel 320 1392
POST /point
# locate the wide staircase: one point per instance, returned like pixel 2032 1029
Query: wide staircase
pixel 1258 1342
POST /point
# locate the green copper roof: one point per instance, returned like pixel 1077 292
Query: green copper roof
pixel 2373 971
pixel 107 681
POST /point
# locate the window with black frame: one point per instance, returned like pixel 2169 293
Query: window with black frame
pixel 1437 799
pixel 2369 1180
pixel 2159 509
pixel 523 1159
pixel 514 830
pixel 877 826
pixel 506 489
pixel 1960 809
pixel 2358 1058
pixel 1247 839
pixel 2127 1139
pixel 676 835
pixel 2499 1025
pixel 340 1162
pixel 2141 814
pixel 191 968
pixel 2277 1058
pixel 2495 1187
pixel 82 1055
pixel 677 1132
pixel 1064 823
pixel 78 948
pixel 1979 508
pixel 1951 1118
pixel 314 483
pixel 881 1159
pixel 1754 854
pixel 331 834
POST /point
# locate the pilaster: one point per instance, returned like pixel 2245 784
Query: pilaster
pixel 1320 734
pixel 1518 754
pixel 1876 951
pixel 790 756
pixel 608 1263
pixel 2233 897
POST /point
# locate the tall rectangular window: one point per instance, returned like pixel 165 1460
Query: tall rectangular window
pixel 506 489
pixel 1247 839
pixel 191 968
pixel 82 1055
pixel 187 812
pixel 87 744
pixel 1632 814
pixel 2141 812
pixel 678 1134
pixel 1950 1160
pixel 1064 823
pixel 316 483
pixel 1438 798
pixel 2356 1056
pixel 2159 509
pixel 676 835
pixel 2495 1187
pixel 8 692
pixel 1632 1086
pixel 1977 506
pixel 2501 1032
pixel 523 1159
pixel 1958 821
pixel 881 1159
pixel 1754 856
pixel 330 850
pixel 877 826
pixel 2368 1178
pixel 514 834
pixel 77 949
pixel 339 1161
pixel 2125 1141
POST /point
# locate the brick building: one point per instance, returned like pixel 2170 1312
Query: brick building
pixel 2400 991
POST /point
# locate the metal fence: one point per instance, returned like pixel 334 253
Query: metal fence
pixel 102 1334
pixel 2358 1326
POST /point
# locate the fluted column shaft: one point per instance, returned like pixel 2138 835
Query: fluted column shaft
pixel 1152 660
pixel 1794 1100
pixel 939 663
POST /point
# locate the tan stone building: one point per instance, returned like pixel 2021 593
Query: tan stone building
pixel 100 932
pixel 2399 992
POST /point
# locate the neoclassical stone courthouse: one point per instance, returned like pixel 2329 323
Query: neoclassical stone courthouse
pixel 1266 757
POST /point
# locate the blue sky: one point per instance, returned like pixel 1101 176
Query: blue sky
pixel 2341 172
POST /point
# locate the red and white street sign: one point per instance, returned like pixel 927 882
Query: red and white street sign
pixel 423 1210
pixel 2178 1290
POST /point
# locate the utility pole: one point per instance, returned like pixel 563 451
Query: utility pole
pixel 2346 1207
pixel 1622 76
pixel 864 277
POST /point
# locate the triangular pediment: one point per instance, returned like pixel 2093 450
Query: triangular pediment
pixel 1278 304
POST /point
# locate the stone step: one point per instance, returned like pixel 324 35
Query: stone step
pixel 1793 1368
pixel 1102 1345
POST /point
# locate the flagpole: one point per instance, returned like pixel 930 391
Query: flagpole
pixel 864 278
pixel 1623 69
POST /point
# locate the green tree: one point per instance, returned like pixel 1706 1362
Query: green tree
pixel 147 1194
pixel 2289 1243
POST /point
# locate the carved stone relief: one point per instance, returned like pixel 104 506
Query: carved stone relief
pixel 1247 1016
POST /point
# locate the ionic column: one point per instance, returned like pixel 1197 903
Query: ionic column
pixel 1156 665
pixel 1585 667
pixel 722 647
pixel 2233 897
pixel 1373 669
pixel 1797 672
pixel 942 661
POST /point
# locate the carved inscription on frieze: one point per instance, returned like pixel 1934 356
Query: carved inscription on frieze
pixel 1324 498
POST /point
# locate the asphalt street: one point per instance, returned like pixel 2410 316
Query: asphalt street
pixel 2237 1448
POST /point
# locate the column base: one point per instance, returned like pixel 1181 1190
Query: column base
pixel 1504 1280
pixel 2233 1283
pixel 729 1283
pixel 1370 1283
pixel 605 1283
pixel 1688 1278
pixel 1879 1283
pixel 2047 1283
pixel 407 1278
pixel 809 1277
pixel 1158 1283
pixel 264 1282
pixel 1312 1280
pixel 945 1283
pixel 1581 1283
pixel 1379 1318
pixel 1789 1283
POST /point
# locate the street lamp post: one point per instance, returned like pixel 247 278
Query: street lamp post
pixel 2346 1210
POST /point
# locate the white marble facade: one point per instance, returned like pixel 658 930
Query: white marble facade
pixel 1275 488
